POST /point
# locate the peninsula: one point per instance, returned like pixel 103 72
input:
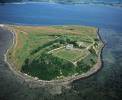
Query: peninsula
pixel 55 52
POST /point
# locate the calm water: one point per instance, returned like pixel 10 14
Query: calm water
pixel 104 85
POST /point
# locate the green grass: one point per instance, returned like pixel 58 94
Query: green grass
pixel 71 55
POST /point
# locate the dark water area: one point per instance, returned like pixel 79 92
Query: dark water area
pixel 104 85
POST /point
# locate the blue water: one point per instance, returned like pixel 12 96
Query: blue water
pixel 104 85
pixel 56 14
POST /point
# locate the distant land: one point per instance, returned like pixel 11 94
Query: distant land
pixel 67 1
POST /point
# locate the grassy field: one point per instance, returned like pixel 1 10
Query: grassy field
pixel 71 55
pixel 30 52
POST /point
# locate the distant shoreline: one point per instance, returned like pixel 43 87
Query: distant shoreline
pixel 67 3
pixel 65 80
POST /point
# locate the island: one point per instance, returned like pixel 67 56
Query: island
pixel 55 52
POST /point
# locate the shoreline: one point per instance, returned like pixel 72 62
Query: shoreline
pixel 112 4
pixel 65 80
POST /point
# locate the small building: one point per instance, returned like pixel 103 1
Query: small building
pixel 69 46
pixel 1 25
